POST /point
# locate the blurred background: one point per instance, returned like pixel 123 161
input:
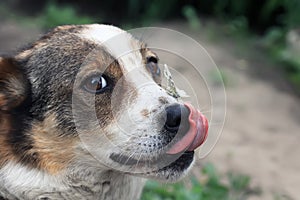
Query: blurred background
pixel 254 43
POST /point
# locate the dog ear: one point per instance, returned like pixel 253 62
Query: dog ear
pixel 13 84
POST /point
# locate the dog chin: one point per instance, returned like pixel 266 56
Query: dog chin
pixel 172 172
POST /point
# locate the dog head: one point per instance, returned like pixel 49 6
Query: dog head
pixel 91 95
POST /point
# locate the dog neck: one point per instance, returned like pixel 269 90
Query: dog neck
pixel 76 183
pixel 106 185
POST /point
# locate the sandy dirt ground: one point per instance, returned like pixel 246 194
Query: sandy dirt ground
pixel 262 129
pixel 261 136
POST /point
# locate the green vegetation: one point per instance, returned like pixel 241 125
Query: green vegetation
pixel 283 47
pixel 235 187
pixel 51 16
pixel 55 15
pixel 271 21
pixel 191 16
pixel 219 77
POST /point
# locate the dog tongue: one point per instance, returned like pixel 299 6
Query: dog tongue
pixel 196 134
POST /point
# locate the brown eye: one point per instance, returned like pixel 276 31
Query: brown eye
pixel 95 84
pixel 152 66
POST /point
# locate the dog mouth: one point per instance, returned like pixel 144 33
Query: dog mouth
pixel 184 159
pixel 178 154
pixel 179 165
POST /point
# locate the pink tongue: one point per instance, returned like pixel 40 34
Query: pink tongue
pixel 195 136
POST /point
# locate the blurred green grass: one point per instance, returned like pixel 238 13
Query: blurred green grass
pixel 55 15
pixel 212 187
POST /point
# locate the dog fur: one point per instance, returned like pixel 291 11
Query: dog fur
pixel 46 119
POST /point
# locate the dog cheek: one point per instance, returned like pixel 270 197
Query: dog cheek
pixel 113 106
pixel 48 141
pixel 103 109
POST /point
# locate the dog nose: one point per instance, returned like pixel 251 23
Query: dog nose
pixel 176 115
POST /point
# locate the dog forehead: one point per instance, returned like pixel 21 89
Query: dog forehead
pixel 117 42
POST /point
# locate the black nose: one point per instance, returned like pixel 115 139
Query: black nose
pixel 176 117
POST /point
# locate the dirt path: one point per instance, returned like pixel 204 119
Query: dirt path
pixel 262 130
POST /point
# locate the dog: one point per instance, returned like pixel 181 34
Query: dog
pixel 83 115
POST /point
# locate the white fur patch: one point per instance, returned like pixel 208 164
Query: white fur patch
pixel 120 44
pixel 100 33
pixel 17 177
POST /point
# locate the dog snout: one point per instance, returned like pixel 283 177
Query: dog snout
pixel 176 118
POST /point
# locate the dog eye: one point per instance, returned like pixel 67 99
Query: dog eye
pixel 95 84
pixel 152 65
pixel 152 59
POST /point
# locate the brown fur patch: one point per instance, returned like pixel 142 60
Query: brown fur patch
pixel 54 152
pixel 64 28
pixel 3 102
pixel 24 54
pixel 5 149
pixel 163 100
pixel 145 112
pixel 7 68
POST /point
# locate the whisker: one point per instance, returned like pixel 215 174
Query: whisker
pixel 138 160
pixel 215 124
pixel 130 157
